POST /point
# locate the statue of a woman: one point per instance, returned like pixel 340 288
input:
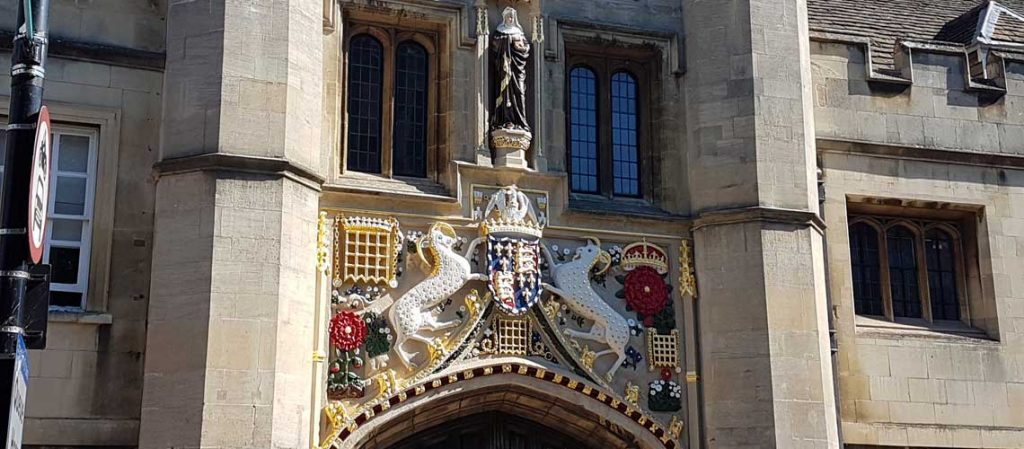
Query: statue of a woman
pixel 511 50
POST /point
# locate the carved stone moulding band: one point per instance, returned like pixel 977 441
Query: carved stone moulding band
pixel 510 147
pixel 510 139
pixel 363 416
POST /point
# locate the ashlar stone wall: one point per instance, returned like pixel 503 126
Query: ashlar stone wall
pixel 906 385
pixel 86 387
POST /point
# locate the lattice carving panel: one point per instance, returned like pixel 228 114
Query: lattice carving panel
pixel 367 250
pixel 663 350
pixel 513 336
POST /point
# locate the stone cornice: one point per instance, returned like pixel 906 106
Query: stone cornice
pixel 939 155
pixel 758 214
pixel 241 164
pixel 93 52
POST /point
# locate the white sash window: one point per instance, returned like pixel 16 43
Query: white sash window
pixel 69 227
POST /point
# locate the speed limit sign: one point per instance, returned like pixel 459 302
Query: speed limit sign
pixel 39 187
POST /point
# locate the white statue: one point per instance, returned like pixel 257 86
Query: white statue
pixel 513 206
pixel 572 284
pixel 413 312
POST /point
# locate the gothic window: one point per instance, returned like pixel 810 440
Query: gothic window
pixel 607 122
pixel 390 102
pixel 906 269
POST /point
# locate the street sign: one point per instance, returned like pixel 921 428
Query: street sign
pixel 39 187
pixel 19 389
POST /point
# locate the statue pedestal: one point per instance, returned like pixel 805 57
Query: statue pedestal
pixel 510 147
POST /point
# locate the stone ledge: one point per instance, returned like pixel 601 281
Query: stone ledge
pixel 92 52
pixel 93 318
pixel 759 213
pixel 931 435
pixel 412 188
pixel 948 332
pixel 242 164
pixel 81 432
pixel 599 205
pixel 927 154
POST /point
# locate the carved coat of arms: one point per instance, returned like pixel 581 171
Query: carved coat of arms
pixel 514 271
pixel 513 250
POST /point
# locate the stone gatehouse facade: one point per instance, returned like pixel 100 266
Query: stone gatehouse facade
pixel 594 223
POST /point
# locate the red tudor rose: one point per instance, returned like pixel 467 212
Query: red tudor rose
pixel 347 331
pixel 666 374
pixel 646 292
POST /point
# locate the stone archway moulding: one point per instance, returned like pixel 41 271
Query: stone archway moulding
pixel 483 378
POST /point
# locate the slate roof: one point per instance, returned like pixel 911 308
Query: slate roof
pixel 940 21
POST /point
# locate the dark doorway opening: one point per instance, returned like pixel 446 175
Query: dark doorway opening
pixel 490 430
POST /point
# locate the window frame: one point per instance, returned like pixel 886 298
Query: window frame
pixel 390 36
pixel 87 217
pixel 919 228
pixel 605 62
pixel 106 122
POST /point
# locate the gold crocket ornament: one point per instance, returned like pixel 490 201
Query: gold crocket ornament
pixel 632 394
pixel 675 428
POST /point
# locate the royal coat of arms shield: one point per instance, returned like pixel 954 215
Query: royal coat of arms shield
pixel 513 266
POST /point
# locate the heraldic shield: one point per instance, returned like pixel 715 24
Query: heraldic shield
pixel 513 266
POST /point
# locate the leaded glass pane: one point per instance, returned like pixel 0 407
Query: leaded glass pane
pixel 410 130
pixel 906 299
pixel 938 247
pixel 867 285
pixel 625 161
pixel 364 103
pixel 583 130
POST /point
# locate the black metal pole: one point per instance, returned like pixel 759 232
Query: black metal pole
pixel 27 75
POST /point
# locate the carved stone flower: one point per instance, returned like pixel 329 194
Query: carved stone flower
pixel 347 331
pixel 646 292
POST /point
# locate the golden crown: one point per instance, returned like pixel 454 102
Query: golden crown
pixel 643 254
pixel 498 226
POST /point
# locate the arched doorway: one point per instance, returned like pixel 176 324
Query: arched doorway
pixel 524 402
pixel 490 430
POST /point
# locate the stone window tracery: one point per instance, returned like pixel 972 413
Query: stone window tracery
pixel 607 123
pixel 907 269
pixel 391 101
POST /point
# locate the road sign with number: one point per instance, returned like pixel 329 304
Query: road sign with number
pixel 39 189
